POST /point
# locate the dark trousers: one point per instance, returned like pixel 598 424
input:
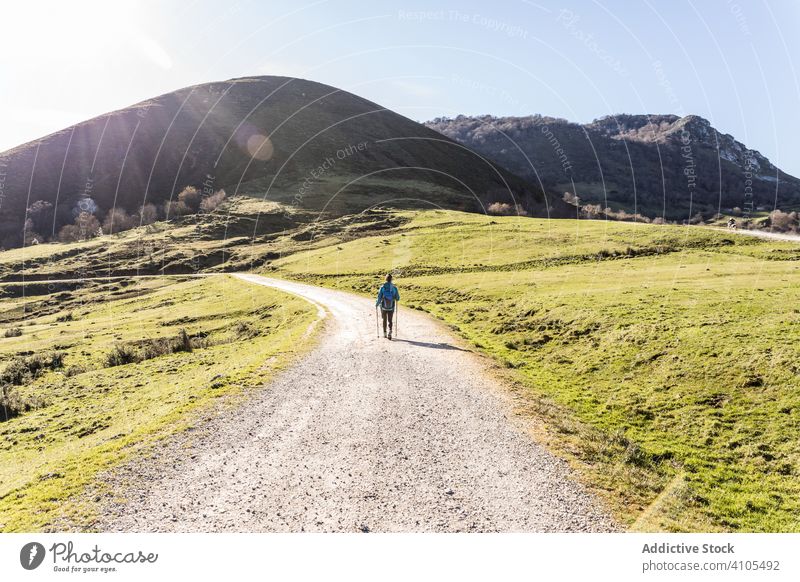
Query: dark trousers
pixel 387 316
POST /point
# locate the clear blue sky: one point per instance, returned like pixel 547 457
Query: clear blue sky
pixel 732 61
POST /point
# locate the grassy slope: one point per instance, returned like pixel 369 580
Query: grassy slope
pixel 99 418
pixel 664 359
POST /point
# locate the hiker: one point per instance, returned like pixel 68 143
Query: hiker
pixel 388 295
pixel 732 223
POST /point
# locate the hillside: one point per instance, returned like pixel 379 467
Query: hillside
pixel 653 357
pixel 289 140
pixel 658 165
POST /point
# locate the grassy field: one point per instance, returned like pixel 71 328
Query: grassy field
pixel 98 372
pixel 663 359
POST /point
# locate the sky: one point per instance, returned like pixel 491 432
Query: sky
pixel 735 62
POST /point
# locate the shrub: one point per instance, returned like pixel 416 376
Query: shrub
pixel 134 352
pixel 783 221
pixel 122 355
pixel 191 197
pixel 183 343
pixel 69 233
pixel 245 330
pixel 176 209
pixel 503 208
pixel 696 219
pixel 148 214
pixel 13 332
pixel 592 210
pixel 117 220
pixel 86 226
pixel 21 370
pixel 210 203
pixel 12 404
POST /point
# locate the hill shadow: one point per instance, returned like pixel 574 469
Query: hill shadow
pixel 435 346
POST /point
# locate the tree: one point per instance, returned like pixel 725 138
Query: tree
pixel 117 220
pixel 210 203
pixel 86 226
pixel 191 197
pixel 29 235
pixel 42 215
pixel 176 209
pixel 69 233
pixel 148 214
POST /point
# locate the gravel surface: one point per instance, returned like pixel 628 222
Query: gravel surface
pixel 362 434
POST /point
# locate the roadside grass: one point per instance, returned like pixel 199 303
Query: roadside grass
pixel 662 359
pixel 91 416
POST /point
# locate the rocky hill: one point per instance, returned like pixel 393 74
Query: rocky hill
pixel 658 165
pixel 290 140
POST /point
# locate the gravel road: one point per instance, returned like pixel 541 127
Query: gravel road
pixel 362 434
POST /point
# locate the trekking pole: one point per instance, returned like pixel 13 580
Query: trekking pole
pixel 396 320
pixel 377 325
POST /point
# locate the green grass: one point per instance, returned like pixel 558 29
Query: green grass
pixel 663 359
pixel 93 417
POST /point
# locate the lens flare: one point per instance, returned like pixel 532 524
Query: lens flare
pixel 260 147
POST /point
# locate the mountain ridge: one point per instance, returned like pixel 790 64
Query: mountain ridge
pixel 664 165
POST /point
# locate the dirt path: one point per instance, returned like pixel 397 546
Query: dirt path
pixel 764 234
pixel 362 434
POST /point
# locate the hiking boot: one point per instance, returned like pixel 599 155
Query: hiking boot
pixel 390 335
pixel 384 334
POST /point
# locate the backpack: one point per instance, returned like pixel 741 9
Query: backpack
pixel 387 299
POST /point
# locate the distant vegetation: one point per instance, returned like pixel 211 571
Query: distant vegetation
pixel 656 166
pixel 88 224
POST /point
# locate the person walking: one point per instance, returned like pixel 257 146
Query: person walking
pixel 388 296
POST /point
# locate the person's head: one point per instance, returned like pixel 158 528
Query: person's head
pixel 389 278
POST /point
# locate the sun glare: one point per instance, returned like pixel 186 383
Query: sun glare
pixel 67 31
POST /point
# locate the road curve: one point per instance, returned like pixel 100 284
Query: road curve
pixel 362 434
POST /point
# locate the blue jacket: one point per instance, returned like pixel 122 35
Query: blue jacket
pixel 387 296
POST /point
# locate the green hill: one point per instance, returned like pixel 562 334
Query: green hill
pixel 662 360
pixel 290 140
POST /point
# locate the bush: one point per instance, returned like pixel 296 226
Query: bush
pixel 69 316
pixel 592 210
pixel 696 219
pixel 12 404
pixel 783 221
pixel 148 214
pixel 13 332
pixel 117 220
pixel 21 370
pixel 69 233
pixel 86 226
pixel 122 355
pixel 176 209
pixel 191 197
pixel 245 330
pixel 505 209
pixel 210 203
pixel 135 352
